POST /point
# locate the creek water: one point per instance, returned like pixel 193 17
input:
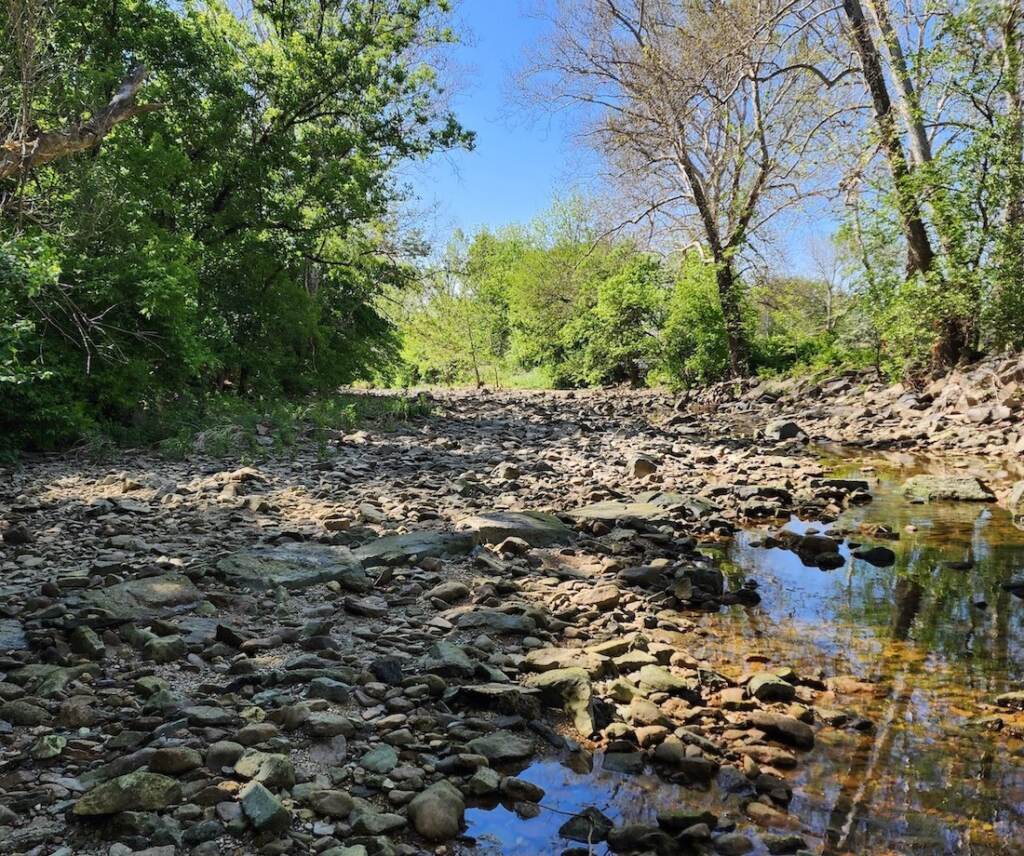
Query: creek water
pixel 937 635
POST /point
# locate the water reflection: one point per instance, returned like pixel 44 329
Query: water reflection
pixel 936 633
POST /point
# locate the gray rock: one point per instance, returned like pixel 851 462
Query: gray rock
pixel 950 488
pixel 380 759
pixel 502 747
pixel 437 813
pixel 294 566
pixel 589 826
pixel 768 687
pixel 570 690
pixel 534 527
pixel 413 546
pixel 137 791
pixel 143 599
pixel 263 810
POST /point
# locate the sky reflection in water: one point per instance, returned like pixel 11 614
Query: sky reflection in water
pixel 929 780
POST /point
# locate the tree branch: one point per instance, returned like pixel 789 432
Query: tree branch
pixel 19 156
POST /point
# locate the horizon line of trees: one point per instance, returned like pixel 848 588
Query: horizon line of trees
pixel 716 119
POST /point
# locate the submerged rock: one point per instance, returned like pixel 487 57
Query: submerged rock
pixel 950 488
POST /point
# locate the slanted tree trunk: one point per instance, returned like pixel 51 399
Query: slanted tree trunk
pixel 18 155
pixel 919 249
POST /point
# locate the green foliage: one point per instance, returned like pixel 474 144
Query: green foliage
pixel 614 337
pixel 696 350
pixel 239 236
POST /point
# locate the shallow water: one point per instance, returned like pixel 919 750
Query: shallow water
pixel 940 643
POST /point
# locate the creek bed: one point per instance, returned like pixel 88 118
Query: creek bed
pixel 937 633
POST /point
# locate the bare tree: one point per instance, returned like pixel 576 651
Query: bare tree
pixel 708 114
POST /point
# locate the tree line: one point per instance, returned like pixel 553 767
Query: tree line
pixel 717 119
pixel 202 196
pixel 205 196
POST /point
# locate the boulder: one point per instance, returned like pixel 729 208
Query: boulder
pixel 437 813
pixel 534 527
pixel 570 690
pixel 948 488
pixel 137 791
pixel 502 747
pixel 293 566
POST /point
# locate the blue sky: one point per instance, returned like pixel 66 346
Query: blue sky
pixel 522 158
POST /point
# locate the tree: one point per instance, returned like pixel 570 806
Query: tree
pixel 708 113
pixel 242 235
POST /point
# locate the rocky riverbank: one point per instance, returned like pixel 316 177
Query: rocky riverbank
pixel 337 650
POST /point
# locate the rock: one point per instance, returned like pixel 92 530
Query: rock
pixel 332 803
pixel 496 622
pixel 380 759
pixel 331 690
pixel 1015 498
pixel 165 649
pixel 49 746
pixel 325 725
pixel 640 465
pixel 370 606
pixel 271 769
pixel 84 641
pixel 137 791
pixel 768 687
pixel 294 566
pixel 783 429
pixel 437 813
pixel 778 844
pixel 570 690
pixel 660 679
pixel 600 597
pixel 590 826
pixel 20 712
pixel 520 790
pixel 549 659
pixel 483 782
pixel 732 844
pixel 1013 700
pixel 448 660
pixel 175 760
pixel 534 527
pixel 880 557
pixel 144 599
pixel 785 728
pixel 412 547
pixel 613 511
pixel 502 747
pixel 12 635
pixel 950 488
pixel 263 810
pixel 450 592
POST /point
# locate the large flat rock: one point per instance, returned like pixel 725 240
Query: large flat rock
pixel 534 527
pixel 413 546
pixel 612 510
pixel 146 598
pixel 949 488
pixel 293 566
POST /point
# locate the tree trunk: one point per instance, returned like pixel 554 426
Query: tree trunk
pixel 910 107
pixel 919 249
pixel 736 340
